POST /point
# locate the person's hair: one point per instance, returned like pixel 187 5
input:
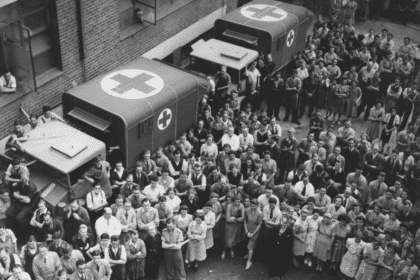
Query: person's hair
pixel 80 262
pixel 184 207
pixel 254 201
pixel 95 253
pixel 115 238
pixel 42 245
pixel 272 200
pixel 162 198
pixel 199 215
pixel 342 218
pixel 208 204
pixel 153 178
pixel 310 199
pixel 105 236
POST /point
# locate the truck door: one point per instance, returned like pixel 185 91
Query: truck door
pixel 290 43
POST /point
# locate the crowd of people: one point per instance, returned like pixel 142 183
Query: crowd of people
pixel 238 181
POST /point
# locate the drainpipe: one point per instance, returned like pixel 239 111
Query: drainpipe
pixel 81 35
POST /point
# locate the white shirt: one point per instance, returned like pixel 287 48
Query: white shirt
pixel 211 86
pixel 23 276
pixel 10 84
pixel 232 141
pixel 253 76
pixel 247 141
pixel 310 191
pixel 93 200
pixel 302 73
pixel 111 226
pixel 154 194
pixel 263 201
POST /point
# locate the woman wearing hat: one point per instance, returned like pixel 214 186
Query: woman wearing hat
pixel 390 126
pixel 322 249
pixel 371 256
pixel 376 115
pixel 352 258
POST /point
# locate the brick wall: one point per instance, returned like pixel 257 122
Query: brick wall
pixel 103 46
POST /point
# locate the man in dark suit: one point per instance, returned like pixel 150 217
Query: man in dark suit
pixel 352 156
pixel 391 168
pixel 286 193
pixel 149 165
pixel 373 163
pixel 140 178
pixel 200 132
pixel 337 174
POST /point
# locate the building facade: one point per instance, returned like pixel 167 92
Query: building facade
pixel 53 45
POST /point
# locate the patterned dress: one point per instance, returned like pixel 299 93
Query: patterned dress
pixel 367 271
pixel 323 242
pixel 313 226
pixel 210 220
pixel 196 250
pixel 352 258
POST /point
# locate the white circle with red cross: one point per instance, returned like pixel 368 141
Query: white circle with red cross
pixel 164 119
pixel 290 37
pixel 263 12
pixel 132 84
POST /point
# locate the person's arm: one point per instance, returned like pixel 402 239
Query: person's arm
pixel 108 271
pixel 123 257
pixel 35 270
pixel 34 222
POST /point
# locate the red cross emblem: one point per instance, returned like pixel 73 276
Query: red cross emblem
pixel 263 12
pixel 132 84
pixel 164 119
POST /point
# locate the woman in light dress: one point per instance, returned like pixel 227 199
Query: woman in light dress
pixel 313 224
pixel 376 115
pixel 300 230
pixel 388 263
pixel 196 250
pixel 322 249
pixel 210 220
pixel 372 253
pixel 352 258
pixel 252 223
pixel 389 131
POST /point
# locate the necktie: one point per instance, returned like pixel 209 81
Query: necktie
pixel 303 192
pixel 271 213
pixel 147 166
pixel 82 277
pixel 345 202
pixel 126 215
pixel 45 260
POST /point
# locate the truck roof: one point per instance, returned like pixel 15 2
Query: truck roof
pixel 61 146
pixel 271 16
pixel 136 90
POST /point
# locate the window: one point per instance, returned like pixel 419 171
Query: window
pixel 151 12
pixel 145 127
pixel 29 40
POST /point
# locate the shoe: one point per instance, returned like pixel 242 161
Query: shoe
pixel 310 263
pixel 286 119
pixel 246 256
pixel 306 261
pixel 196 266
pixel 297 122
pixel 223 255
pixel 232 254
pixel 248 265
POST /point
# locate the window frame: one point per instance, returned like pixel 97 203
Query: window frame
pixel 145 127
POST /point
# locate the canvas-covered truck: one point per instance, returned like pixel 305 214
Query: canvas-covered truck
pixel 138 106
pixel 259 27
